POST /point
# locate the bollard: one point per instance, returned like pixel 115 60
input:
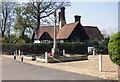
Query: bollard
pixel 100 62
pixel 46 59
pixel 21 56
pixel 14 55
pixel 63 52
pixel 93 54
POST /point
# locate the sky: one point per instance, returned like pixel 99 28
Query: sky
pixel 104 15
pixel 100 13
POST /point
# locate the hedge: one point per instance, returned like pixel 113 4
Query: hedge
pixel 41 48
pixel 114 48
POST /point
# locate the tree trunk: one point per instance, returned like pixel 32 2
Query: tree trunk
pixel 33 35
pixel 2 34
pixel 23 34
pixel 38 21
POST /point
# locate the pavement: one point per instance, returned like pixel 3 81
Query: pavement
pixel 16 70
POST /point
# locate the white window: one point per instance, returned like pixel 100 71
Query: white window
pixel 36 41
pixel 61 40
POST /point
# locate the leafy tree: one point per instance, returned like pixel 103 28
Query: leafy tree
pixel 94 43
pixel 20 41
pixel 36 13
pixel 7 17
pixel 10 39
pixel 114 48
pixel 103 47
pixel 23 23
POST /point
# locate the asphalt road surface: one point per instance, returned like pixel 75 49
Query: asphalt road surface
pixel 16 70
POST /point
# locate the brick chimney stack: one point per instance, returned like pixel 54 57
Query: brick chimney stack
pixel 77 18
pixel 59 16
pixel 62 13
pixel 62 20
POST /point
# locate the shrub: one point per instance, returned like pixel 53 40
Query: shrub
pixel 103 47
pixel 20 41
pixel 73 47
pixel 114 48
pixel 94 43
pixel 70 48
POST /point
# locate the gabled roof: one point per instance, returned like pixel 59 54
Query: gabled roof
pixel 47 36
pixel 93 32
pixel 66 30
pixel 48 29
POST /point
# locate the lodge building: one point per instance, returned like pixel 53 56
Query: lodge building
pixel 72 32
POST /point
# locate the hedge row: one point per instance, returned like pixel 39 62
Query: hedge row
pixel 70 48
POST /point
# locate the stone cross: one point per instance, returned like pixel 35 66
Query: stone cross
pixel 55 50
pixel 55 44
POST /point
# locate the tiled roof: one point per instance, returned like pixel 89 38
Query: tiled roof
pixel 48 29
pixel 93 32
pixel 66 30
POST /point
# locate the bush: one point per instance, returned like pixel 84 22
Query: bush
pixel 70 48
pixel 73 47
pixel 114 48
pixel 103 47
pixel 20 41
pixel 94 43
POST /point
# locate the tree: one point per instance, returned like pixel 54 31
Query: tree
pixel 23 23
pixel 94 43
pixel 114 48
pixel 103 47
pixel 39 12
pixel 7 17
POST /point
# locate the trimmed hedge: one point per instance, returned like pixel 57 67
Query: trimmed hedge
pixel 70 48
pixel 114 48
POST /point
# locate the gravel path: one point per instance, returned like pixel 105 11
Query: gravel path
pixel 87 67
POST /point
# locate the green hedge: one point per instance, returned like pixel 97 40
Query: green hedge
pixel 70 48
pixel 114 48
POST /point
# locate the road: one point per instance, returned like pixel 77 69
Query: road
pixel 16 70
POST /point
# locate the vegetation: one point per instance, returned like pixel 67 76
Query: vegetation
pixel 7 17
pixel 35 13
pixel 21 20
pixel 103 46
pixel 100 46
pixel 71 48
pixel 114 48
